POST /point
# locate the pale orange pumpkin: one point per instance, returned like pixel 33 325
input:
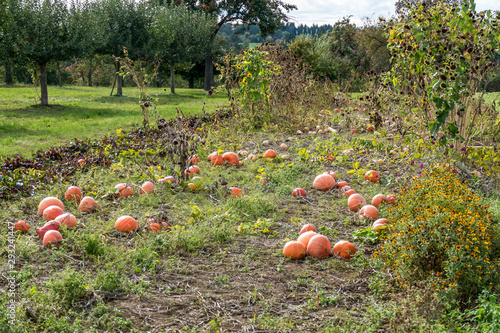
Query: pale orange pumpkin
pixel 306 236
pixel 349 193
pixel 147 187
pixel 49 201
pixel 52 237
pixel 319 247
pixel 307 227
pixel 372 176
pixel 73 193
pixel 299 192
pixel 377 200
pixel 21 226
pixel 67 219
pixel 270 154
pixel 192 170
pixel 231 158
pixel 294 250
pixel 331 173
pixel 369 212
pixel 236 192
pixel 51 225
pixel 391 198
pixel 123 190
pixel 379 224
pixel 51 212
pixel 323 182
pixel 126 224
pixel 355 202
pixel 87 204
pixel 341 183
pixel 344 249
pixel 168 179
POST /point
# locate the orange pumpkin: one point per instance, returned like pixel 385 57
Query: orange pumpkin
pixel 123 190
pixel 379 224
pixel 67 219
pixel 331 173
pixel 21 226
pixel 194 159
pixel 87 204
pixel 306 236
pixel 192 170
pixel 231 158
pixel 154 227
pixel 270 154
pixel 147 187
pixel 344 249
pixel 323 182
pixel 51 212
pixel 73 193
pixel 236 192
pixel 391 198
pixel 49 201
pixel 368 212
pixel 216 159
pixel 299 192
pixel 51 225
pixel 377 200
pixel 372 176
pixel 192 186
pixel 355 202
pixel 341 184
pixel 126 224
pixel 294 250
pixel 319 247
pixel 168 179
pixel 307 227
pixel 52 237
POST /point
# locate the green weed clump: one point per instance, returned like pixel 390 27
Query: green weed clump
pixel 442 233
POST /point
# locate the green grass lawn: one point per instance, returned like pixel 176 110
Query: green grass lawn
pixel 82 112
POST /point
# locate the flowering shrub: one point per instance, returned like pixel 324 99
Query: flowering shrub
pixel 443 234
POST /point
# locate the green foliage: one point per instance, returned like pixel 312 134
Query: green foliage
pixel 486 315
pixel 441 233
pixel 440 55
pixel 69 287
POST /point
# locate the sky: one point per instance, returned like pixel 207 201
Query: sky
pixel 330 11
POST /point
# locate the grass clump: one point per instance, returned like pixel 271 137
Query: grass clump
pixel 443 234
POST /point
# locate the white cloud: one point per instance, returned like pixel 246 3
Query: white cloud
pixel 330 11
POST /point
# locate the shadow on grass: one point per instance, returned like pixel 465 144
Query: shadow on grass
pixel 69 112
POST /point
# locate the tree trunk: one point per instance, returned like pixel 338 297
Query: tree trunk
pixel 59 81
pixel 44 96
pixel 89 74
pixel 209 73
pixel 172 79
pixel 8 74
pixel 119 81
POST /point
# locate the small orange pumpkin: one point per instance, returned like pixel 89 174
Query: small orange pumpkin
pixel 323 182
pixel 344 249
pixel 307 227
pixel 51 225
pixel 231 158
pixel 299 192
pixel 21 226
pixel 52 237
pixel 294 250
pixel 270 154
pixel 216 159
pixel 319 247
pixel 192 186
pixel 377 200
pixel 355 202
pixel 123 190
pixel 49 201
pixel 194 159
pixel 51 212
pixel 168 179
pixel 341 183
pixel 73 193
pixel 369 212
pixel 236 192
pixel 192 170
pixel 372 176
pixel 306 236
pixel 126 224
pixel 87 204
pixel 154 227
pixel 67 219
pixel 331 173
pixel 391 198
pixel 147 187
pixel 379 224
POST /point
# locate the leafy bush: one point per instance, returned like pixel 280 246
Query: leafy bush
pixel 442 233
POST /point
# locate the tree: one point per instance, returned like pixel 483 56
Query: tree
pixel 406 6
pixel 178 35
pixel 50 30
pixel 9 36
pixel 268 15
